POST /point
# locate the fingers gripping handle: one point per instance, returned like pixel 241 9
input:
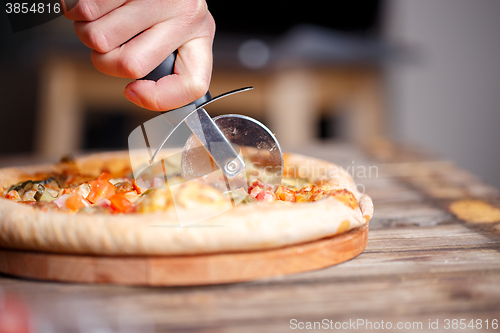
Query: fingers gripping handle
pixel 167 68
pixel 204 128
pixel 163 69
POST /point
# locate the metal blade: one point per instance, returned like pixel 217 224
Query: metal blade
pixel 202 126
pixel 257 143
pixel 215 143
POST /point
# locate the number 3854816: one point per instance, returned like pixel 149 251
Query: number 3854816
pixel 455 324
pixel 35 8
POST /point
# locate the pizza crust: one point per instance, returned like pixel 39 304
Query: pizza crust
pixel 246 227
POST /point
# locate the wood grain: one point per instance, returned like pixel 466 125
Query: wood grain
pixel 186 270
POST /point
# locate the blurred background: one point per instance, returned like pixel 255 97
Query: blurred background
pixel 415 71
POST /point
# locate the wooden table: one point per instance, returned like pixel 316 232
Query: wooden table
pixel 422 265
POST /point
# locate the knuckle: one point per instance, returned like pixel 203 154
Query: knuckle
pixel 88 10
pixel 131 67
pixel 195 11
pixel 210 25
pixel 97 40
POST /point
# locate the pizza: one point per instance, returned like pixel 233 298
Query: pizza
pixel 93 205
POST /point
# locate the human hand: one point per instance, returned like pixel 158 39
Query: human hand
pixel 108 27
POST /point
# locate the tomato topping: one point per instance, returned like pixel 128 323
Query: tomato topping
pixel 100 188
pixel 285 194
pixel 267 196
pixel 13 195
pixel 120 203
pixel 258 183
pixel 68 191
pixel 76 202
pixel 261 192
pixel 254 191
pixel 104 176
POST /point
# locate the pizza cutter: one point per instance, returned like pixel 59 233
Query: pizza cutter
pixel 222 143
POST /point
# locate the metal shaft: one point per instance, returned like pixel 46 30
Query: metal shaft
pixel 216 144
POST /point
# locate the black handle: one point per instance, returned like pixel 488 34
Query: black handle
pixel 167 68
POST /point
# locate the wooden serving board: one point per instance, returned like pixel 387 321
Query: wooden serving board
pixel 186 270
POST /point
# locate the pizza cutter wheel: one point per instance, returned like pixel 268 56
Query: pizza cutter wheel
pixel 254 142
pixel 222 142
